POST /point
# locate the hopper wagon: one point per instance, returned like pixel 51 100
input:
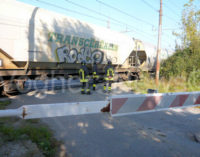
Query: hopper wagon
pixel 35 42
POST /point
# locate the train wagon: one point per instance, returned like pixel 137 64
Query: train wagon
pixel 35 42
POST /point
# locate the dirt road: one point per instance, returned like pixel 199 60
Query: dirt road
pixel 169 133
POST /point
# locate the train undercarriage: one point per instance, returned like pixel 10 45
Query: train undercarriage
pixel 14 80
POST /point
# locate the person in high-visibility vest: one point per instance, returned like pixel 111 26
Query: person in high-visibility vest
pixel 109 76
pixel 84 78
pixel 95 75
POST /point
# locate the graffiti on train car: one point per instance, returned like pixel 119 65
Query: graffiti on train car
pixel 74 49
pixel 81 42
pixel 65 54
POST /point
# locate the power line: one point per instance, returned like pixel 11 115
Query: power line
pixel 170 9
pixel 76 4
pixel 122 12
pixel 152 7
pixel 156 10
pixel 169 29
pixel 174 4
pixel 80 13
pixel 110 17
pixel 170 18
pixel 94 11
pixel 150 37
pixel 65 9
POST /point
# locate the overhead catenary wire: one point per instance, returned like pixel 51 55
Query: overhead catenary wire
pixel 77 12
pixel 105 16
pixel 174 13
pixel 119 10
pixel 170 18
pixel 169 29
pixel 138 31
pixel 149 36
pixel 174 4
pixel 152 7
pixel 123 12
pixel 80 13
pixel 171 2
pixel 65 9
pixel 156 10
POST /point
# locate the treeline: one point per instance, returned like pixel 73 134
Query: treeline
pixel 185 62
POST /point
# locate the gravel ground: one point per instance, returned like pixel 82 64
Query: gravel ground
pixel 23 148
pixel 165 133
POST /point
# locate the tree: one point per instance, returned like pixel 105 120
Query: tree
pixel 186 59
pixel 191 27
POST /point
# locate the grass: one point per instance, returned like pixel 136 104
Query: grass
pixel 29 130
pixel 4 103
pixel 174 84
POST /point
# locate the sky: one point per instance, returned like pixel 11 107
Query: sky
pixel 136 18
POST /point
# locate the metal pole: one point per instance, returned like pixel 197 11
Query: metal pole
pixel 11 112
pixel 136 58
pixel 108 24
pixel 159 45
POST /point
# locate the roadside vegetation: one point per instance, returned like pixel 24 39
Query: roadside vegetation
pixel 181 71
pixel 4 103
pixel 173 84
pixel 34 136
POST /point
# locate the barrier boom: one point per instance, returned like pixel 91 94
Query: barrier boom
pixel 54 110
pixel 143 103
pixel 118 105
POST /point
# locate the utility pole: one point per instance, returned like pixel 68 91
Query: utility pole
pixel 159 45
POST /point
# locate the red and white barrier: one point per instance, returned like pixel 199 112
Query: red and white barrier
pixel 133 104
pixel 117 105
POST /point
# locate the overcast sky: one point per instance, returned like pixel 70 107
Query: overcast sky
pixel 136 18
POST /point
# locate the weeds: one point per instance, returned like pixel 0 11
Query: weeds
pixel 179 73
pixel 174 84
pixel 38 134
pixel 27 130
pixel 3 104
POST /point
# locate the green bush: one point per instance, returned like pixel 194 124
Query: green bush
pixel 183 63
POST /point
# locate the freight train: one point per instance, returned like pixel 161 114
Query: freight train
pixel 35 42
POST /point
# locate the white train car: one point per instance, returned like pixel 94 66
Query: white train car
pixel 36 42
